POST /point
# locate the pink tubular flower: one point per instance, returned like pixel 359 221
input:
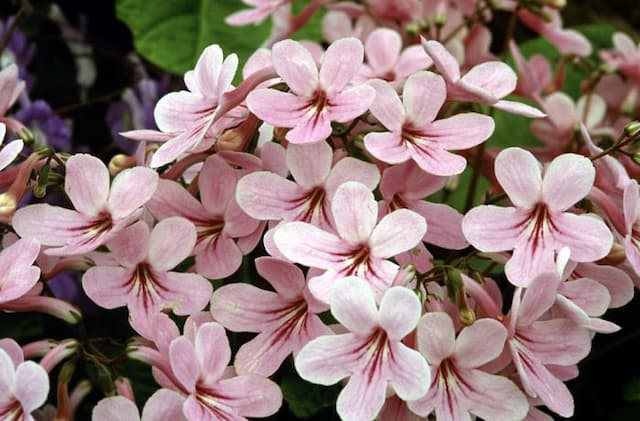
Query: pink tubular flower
pixel 11 150
pixel 534 73
pixel 24 385
pixel 218 218
pixel 625 57
pixel 286 319
pixel 567 41
pixel 631 208
pixel 386 60
pixel 458 387
pixel 538 225
pixel 413 132
pixel 101 211
pixel 267 196
pixel 485 83
pixel 188 115
pixel 10 89
pixel 372 354
pixel 317 97
pixel 262 10
pixel 143 280
pixel 213 393
pixel 362 245
pixel 17 275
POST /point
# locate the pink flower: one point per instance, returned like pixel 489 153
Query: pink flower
pixel 11 150
pixel 17 275
pixel 485 83
pixel 213 392
pixel 286 319
pixel 262 10
pixel 413 133
pixel 337 24
pixel 101 211
pixel 631 208
pixel 264 195
pixel 217 217
pixel 162 405
pixel 625 57
pixel 143 280
pixel 372 354
pixel 189 115
pixel 362 245
pixel 567 41
pixel 24 385
pixel 538 225
pixel 458 386
pixel 10 89
pixel 316 97
pixel 386 60
pixel 534 74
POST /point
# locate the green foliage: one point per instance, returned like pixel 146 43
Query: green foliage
pixel 172 34
pixel 305 399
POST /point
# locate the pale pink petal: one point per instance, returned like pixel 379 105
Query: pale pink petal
pixel 313 126
pixel 567 180
pixel 350 103
pixel 87 183
pixel 436 337
pixel 184 363
pixel 518 172
pixel 178 111
pixel 362 398
pixel 171 199
pixel 479 343
pixel 218 258
pixel 10 152
pixel 171 241
pixel 355 212
pixel 13 350
pixel 494 76
pixel 588 294
pixel 531 256
pixel 462 131
pixel 296 67
pixel 492 228
pixel 587 236
pixel 131 189
pixel 267 196
pixel 213 352
pixel 185 292
pixel 399 231
pixel 245 308
pixel 129 247
pixel 107 285
pixel 351 169
pixel 412 59
pixel 596 111
pixel 310 164
pixel 7 376
pixel 445 225
pixel 250 395
pixel 556 341
pixel 287 279
pixel 435 160
pixel 162 405
pixel 264 354
pixel 340 63
pixel 306 244
pixel 32 385
pixel 387 107
pixel 446 63
pixel 518 108
pixel 328 359
pixel 383 49
pixel 617 282
pixel 538 298
pixel 400 312
pixel 183 141
pixel 408 372
pixel 387 147
pixel 115 408
pixel 494 397
pixel 631 204
pixel 354 306
pixel 206 72
pixel 423 95
pixel 280 109
pixel 17 275
pixel 217 184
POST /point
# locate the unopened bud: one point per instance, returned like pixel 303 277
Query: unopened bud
pixel 555 4
pixel 440 20
pixel 412 29
pixel 27 136
pixel 121 162
pixel 8 204
pixel 452 183
pixel 632 129
pixel 40 190
pixel 405 275
pixel 467 316
pixel 454 283
pixel 616 255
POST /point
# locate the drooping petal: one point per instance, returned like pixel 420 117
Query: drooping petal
pixel 399 231
pixel 355 212
pixel 131 189
pixel 313 126
pixel 531 256
pixel 17 275
pixel 518 108
pixel 518 172
pixel 87 183
pixel 446 64
pixel 249 395
pixel 538 298
pixel 408 372
pixel 10 152
pixel 354 306
pixel 436 160
pixel 494 397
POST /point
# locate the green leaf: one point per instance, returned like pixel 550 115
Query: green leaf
pixel 172 34
pixel 307 399
pixel 632 390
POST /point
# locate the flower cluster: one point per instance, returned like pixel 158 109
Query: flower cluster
pixel 308 204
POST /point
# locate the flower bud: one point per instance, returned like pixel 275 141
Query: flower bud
pixel 632 129
pixel 121 162
pixel 26 135
pixel 554 4
pixel 616 255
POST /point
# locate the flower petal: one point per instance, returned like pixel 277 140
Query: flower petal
pixel 32 386
pixel 328 359
pixel 492 228
pixel 479 343
pixel 218 258
pixel 436 337
pixel 387 147
pixel 115 408
pixel 387 107
pixel 446 64
pixel 131 189
pixel 286 278
pixel 162 405
pixel 184 363
pixel 171 241
pixel 518 172
pixel 400 312
pixel 355 212
pixel 87 183
pixel 213 352
pixel 586 235
pixel 399 231
pixel 217 185
pixel 354 306
pixel 296 67
pixel 423 95
pixel 310 164
pixel 340 63
pixel 567 180
pixel 383 49
pixel 130 245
